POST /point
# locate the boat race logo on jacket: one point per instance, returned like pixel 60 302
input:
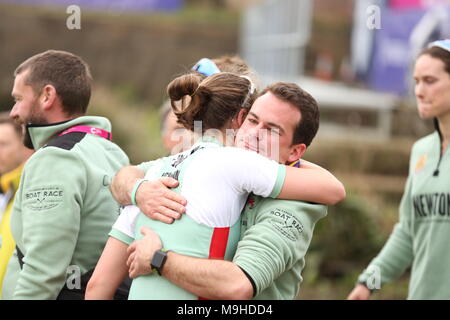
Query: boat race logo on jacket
pixel 286 223
pixel 43 198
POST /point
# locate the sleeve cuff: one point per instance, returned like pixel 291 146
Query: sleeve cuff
pixel 251 281
pixel 279 182
pixel 121 236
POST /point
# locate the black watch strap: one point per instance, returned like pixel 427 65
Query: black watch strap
pixel 158 260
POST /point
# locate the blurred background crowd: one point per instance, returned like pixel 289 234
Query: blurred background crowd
pixel 353 56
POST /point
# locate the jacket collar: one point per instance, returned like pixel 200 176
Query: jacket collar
pixel 40 134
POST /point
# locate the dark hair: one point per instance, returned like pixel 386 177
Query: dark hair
pixel 291 93
pixel 438 53
pixel 5 119
pixel 214 100
pixel 68 73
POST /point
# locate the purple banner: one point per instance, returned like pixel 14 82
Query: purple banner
pixel 110 5
pixel 392 54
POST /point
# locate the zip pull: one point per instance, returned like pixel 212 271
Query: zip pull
pixel 436 125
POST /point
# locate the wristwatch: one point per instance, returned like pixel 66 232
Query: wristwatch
pixel 158 260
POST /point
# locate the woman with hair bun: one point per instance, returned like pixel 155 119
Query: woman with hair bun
pixel 215 178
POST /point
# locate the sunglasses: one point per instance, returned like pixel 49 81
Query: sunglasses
pixel 206 67
pixel 443 44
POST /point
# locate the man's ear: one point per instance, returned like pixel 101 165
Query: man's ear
pixel 296 152
pixel 241 116
pixel 48 97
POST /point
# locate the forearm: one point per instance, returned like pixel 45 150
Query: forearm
pixel 313 184
pixel 110 271
pixel 123 183
pixel 207 278
pixel 103 285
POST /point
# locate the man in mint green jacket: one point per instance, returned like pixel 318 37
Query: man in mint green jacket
pixel 63 209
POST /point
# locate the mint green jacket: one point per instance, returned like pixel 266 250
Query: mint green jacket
pixel 63 209
pixel 275 236
pixel 421 238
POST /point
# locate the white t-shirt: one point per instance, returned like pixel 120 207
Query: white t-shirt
pixel 216 184
pixel 4 198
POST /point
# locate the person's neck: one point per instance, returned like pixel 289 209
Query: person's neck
pixel 60 117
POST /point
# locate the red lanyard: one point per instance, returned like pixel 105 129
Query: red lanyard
pixel 87 129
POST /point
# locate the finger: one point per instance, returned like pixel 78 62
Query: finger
pixel 160 217
pixel 169 182
pixel 145 230
pixel 131 248
pixel 131 259
pixel 169 212
pixel 173 205
pixel 172 195
pixel 132 272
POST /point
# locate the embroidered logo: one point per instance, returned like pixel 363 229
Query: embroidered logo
pixel 44 198
pixel 420 164
pixel 286 223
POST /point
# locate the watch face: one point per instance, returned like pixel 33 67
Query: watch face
pixel 158 259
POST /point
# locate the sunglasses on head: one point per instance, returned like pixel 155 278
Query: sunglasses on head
pixel 206 67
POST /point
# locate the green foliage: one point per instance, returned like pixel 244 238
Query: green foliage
pixel 346 238
pixel 344 243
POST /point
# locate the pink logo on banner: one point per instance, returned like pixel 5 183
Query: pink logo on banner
pixel 406 4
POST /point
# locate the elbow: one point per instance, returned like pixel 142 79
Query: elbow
pixel 241 289
pixel 91 288
pixel 340 194
pixel 97 289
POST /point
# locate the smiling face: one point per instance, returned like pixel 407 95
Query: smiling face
pixel 269 129
pixel 432 87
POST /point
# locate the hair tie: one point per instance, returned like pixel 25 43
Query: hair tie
pixel 251 90
pixel 252 85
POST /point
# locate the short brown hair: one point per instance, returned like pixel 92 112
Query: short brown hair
pixel 215 100
pixel 68 73
pixel 5 119
pixel 235 64
pixel 291 93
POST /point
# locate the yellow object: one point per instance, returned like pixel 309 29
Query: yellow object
pixel 9 183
